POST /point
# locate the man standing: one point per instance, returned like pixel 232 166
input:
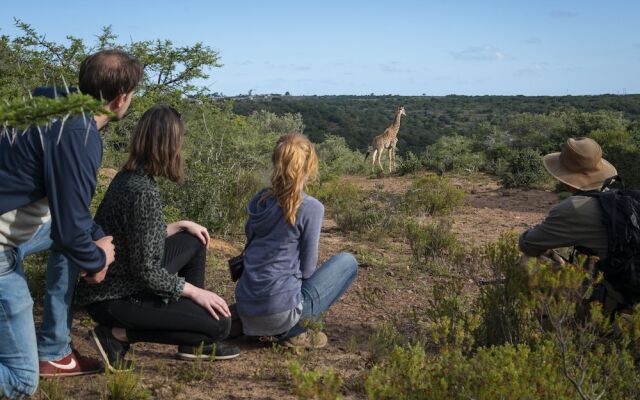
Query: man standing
pixel 48 179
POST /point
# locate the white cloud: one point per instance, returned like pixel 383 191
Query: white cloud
pixel 479 53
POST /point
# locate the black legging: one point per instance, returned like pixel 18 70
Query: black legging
pixel 147 318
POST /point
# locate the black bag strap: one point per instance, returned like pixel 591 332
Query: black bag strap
pixel 607 182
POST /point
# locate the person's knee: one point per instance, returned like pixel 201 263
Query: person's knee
pixel 348 262
pixel 26 383
pixel 220 328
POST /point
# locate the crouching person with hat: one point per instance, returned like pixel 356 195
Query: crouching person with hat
pixel 579 220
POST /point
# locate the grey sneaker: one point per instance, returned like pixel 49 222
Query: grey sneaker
pixel 307 340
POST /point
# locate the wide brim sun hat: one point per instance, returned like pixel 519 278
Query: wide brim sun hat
pixel 580 165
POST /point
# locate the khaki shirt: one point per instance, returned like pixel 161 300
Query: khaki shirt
pixel 576 221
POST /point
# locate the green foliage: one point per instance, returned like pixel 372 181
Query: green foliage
pixel 22 113
pixel 621 148
pixel 316 383
pixel 453 153
pixel 432 239
pixel 51 389
pixel 432 195
pixel 336 159
pixel 523 168
pixel 200 369
pixel 271 122
pixel 227 161
pixel 360 118
pixel 124 385
pixel 355 210
pixel 409 163
pixel 548 344
pixel 503 302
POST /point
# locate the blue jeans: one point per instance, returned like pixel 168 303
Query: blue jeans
pixel 324 288
pixel 19 348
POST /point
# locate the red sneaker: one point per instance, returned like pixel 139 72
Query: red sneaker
pixel 72 365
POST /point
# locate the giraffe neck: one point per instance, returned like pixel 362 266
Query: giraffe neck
pixel 396 124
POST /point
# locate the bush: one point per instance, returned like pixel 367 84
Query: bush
pixel 337 159
pixel 620 148
pixel 453 153
pixel 409 163
pixel 553 348
pixel 227 159
pixel 523 169
pixel 432 239
pixel 316 383
pixel 432 195
pixel 356 210
pixel 503 303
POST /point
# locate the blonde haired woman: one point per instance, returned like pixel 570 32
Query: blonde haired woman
pixel 280 287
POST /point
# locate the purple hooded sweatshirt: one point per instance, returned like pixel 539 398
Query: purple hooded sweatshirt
pixel 279 255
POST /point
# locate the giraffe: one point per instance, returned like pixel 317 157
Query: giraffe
pixel 387 140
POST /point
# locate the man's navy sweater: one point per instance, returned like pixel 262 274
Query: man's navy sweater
pixel 61 166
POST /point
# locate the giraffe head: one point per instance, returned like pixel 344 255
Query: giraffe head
pixel 401 111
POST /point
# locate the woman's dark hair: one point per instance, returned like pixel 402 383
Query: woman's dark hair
pixel 156 144
pixel 109 73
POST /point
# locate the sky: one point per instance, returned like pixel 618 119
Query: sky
pixel 359 47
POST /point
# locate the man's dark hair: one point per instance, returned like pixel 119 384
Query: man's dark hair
pixel 109 73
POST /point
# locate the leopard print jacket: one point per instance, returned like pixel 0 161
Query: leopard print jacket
pixel 131 212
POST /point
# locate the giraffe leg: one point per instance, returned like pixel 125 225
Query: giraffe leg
pixel 394 158
pixel 373 161
pixel 390 159
pixel 380 158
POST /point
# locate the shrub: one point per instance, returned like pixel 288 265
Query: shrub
pixel 432 239
pixel 621 149
pixel 337 159
pixel 316 383
pixel 453 153
pixel 409 163
pixel 503 303
pixel 356 210
pixel 432 195
pixel 524 168
pixel 565 353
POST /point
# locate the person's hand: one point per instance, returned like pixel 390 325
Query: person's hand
pixel 552 255
pixel 97 277
pixel 106 244
pixel 196 230
pixel 207 300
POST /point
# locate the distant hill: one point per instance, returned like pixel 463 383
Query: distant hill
pixel 359 118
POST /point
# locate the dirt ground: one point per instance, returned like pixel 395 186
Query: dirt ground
pixel 387 285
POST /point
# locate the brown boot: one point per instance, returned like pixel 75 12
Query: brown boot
pixel 307 340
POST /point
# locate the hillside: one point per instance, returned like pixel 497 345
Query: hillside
pixel 359 118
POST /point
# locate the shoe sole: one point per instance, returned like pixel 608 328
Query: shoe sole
pixel 293 346
pixel 191 357
pixel 104 354
pixel 65 374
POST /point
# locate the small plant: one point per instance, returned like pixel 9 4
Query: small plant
pixel 124 385
pixel 199 369
pixel 432 239
pixel 315 384
pixel 432 195
pixel 51 389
